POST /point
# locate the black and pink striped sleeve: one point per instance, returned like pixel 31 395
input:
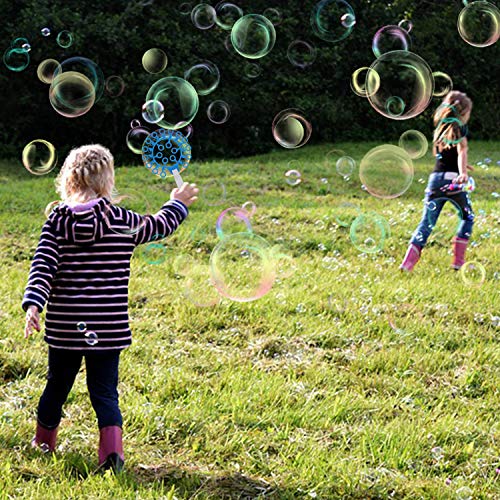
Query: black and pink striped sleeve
pixel 161 224
pixel 43 269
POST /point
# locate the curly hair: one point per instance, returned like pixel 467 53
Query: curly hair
pixel 88 172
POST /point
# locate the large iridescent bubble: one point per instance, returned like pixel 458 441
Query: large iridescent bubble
pixel 253 36
pixel 179 100
pixel 386 171
pixel 242 267
pixel 479 24
pixel 401 85
pixel 332 20
pixel 390 38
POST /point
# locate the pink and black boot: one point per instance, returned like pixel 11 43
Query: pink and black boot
pixel 459 249
pixel 45 439
pixel 411 258
pixel 111 448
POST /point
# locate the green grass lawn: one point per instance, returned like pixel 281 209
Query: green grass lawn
pixel 347 380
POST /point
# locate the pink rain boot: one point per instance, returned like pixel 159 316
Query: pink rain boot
pixel 411 258
pixel 45 439
pixel 459 248
pixel 111 448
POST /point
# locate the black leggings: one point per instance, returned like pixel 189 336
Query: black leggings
pixel 102 382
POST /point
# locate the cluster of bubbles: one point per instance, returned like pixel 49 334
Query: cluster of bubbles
pixel 91 338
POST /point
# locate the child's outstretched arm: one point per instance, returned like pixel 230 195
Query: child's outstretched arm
pixel 42 272
pixel 170 216
pixel 462 149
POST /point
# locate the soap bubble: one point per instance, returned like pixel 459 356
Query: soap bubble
pixel 45 32
pixel 46 70
pixel 198 287
pixel 26 47
pixel 227 14
pixel 479 24
pixel 301 53
pixel 154 61
pixel 348 20
pixel 390 38
pixel 437 453
pixel 252 70
pixel 71 94
pixel 406 25
pixel 345 166
pixel 135 139
pixel 404 85
pixel 253 36
pixel 153 111
pixel 386 171
pixel 473 273
pixel 91 338
pixel 293 177
pixel 442 83
pixel 464 493
pixel 50 206
pixel 232 220
pixel 39 157
pixel 135 123
pixel 218 112
pixel 154 253
pixel 204 77
pixel 114 86
pixel 414 143
pixel 16 59
pixel 179 100
pixel 250 207
pixel 81 326
pixel 346 213
pixel 358 81
pixel 185 8
pixel 368 233
pixel 332 20
pixel 76 86
pixel 213 193
pixel 394 106
pixel 19 42
pixel 242 267
pixel 444 218
pixel 274 15
pixel 64 39
pixel 203 16
pixel 290 129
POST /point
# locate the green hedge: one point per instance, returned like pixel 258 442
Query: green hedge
pixel 115 34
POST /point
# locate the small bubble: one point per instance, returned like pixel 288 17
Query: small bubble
pixel 91 338
pixel 437 453
pixel 44 447
pixel 26 47
pixel 45 31
pixel 81 326
pixel 300 308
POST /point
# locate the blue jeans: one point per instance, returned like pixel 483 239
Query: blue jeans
pixel 102 382
pixel 433 204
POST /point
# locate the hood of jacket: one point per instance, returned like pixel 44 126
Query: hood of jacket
pixel 81 227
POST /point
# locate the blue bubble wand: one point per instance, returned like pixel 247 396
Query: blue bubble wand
pixel 166 152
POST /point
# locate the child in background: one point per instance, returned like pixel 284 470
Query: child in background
pixel 450 149
pixel 81 271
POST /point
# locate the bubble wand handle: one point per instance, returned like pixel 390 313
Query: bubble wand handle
pixel 177 177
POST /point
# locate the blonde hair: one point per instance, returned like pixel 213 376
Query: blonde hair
pixel 452 114
pixel 88 172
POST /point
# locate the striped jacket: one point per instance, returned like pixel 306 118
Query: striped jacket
pixel 81 271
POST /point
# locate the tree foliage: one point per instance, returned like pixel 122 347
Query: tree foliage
pixel 116 33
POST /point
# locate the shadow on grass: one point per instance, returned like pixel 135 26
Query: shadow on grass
pixel 193 483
